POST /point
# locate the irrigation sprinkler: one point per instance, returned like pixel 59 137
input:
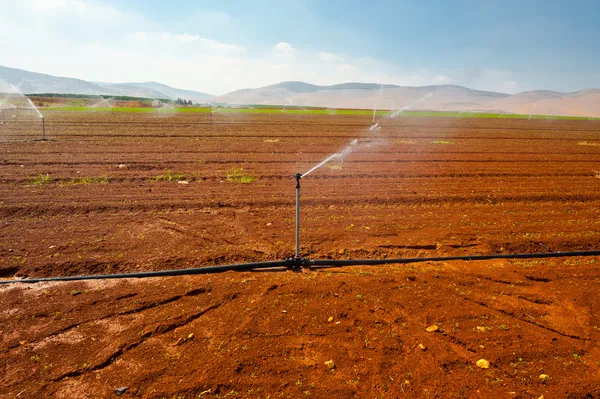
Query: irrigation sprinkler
pixel 43 129
pixel 298 177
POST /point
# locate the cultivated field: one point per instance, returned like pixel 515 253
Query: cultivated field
pixel 103 197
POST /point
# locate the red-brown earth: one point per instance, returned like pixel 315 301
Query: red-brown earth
pixel 417 187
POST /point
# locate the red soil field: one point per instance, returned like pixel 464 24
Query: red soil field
pixel 417 187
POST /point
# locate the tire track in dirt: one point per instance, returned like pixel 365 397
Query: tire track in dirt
pixel 158 330
pixel 139 309
pixel 534 323
pixel 124 348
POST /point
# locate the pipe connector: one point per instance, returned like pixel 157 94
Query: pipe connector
pixel 296 263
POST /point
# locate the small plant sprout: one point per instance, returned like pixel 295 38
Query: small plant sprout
pixel 169 176
pixel 239 175
pixel 40 179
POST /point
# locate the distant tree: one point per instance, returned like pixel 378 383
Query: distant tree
pixel 190 102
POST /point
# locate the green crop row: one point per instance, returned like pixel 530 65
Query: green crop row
pixel 312 111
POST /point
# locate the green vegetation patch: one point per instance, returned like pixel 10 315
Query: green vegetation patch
pixel 41 179
pixel 169 176
pixel 314 111
pixel 589 143
pixel 87 180
pixel 239 175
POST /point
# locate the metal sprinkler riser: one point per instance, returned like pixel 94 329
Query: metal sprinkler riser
pixel 43 129
pixel 298 177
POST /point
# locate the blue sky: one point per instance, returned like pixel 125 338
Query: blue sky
pixel 217 47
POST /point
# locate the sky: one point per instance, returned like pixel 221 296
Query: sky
pixel 220 46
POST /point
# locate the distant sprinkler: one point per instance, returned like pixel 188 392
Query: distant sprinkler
pixel 43 129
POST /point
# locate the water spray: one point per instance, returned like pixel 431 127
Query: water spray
pixel 373 124
pixel 530 113
pixel 374 127
pixel 41 116
pixel 339 155
pixel 407 107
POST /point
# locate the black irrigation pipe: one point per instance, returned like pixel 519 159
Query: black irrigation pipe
pixel 297 263
pixel 373 262
pixel 240 267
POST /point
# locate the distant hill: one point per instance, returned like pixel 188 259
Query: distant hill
pixel 31 82
pixel 363 95
pixel 345 95
pixel 168 91
pixel 434 98
pixel 134 91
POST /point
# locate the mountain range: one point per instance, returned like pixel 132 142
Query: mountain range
pixel 32 83
pixel 426 98
pixel 346 95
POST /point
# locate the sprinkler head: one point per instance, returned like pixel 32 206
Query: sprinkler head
pixel 298 177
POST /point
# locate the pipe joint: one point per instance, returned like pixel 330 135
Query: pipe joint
pixel 296 263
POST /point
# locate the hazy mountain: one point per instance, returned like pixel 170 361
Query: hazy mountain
pixel 125 89
pixel 301 87
pixel 437 98
pixel 31 83
pixel 363 95
pixel 346 95
pixel 171 92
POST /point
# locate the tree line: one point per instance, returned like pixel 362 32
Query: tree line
pixel 181 101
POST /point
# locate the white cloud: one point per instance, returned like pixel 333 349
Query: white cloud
pixel 348 68
pixel 284 48
pixel 187 38
pixel 46 5
pixel 330 57
pixel 88 9
pixel 140 36
pixel 96 41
